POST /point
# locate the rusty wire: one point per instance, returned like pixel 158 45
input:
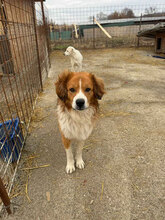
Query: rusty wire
pixel 24 64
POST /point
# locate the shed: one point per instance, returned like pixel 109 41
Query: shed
pixel 157 32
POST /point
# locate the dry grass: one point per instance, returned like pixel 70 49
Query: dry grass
pixel 102 191
pixel 105 112
pixel 36 167
pixel 134 56
pixel 22 188
pixel 39 115
pixel 113 113
pixel 128 56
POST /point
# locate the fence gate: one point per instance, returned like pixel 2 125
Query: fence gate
pixel 24 64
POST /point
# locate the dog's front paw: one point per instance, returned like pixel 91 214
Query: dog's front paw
pixel 80 164
pixel 70 168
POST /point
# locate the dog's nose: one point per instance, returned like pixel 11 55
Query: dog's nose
pixel 80 103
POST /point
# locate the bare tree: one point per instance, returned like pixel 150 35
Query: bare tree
pixel 90 18
pixel 114 15
pixel 150 10
pixel 153 12
pixel 125 13
pixel 101 16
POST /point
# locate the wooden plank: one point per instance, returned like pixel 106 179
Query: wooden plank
pixel 4 196
pixel 105 32
pixel 75 28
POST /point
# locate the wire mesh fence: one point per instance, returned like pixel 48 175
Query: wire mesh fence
pixel 77 26
pixel 42 37
pixel 24 64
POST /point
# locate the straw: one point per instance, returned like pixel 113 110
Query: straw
pixel 32 168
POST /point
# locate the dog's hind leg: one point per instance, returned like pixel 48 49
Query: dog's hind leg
pixel 69 155
pixel 79 161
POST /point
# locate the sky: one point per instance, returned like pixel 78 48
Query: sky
pixel 88 3
pixel 80 11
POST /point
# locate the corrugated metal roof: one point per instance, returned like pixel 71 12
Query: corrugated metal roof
pixel 151 32
pixel 125 20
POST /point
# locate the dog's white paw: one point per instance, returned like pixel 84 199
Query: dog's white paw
pixel 80 164
pixel 70 168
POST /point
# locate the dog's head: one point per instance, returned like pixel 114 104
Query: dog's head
pixel 69 51
pixel 78 91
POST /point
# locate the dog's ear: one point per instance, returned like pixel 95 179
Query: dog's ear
pixel 98 87
pixel 61 85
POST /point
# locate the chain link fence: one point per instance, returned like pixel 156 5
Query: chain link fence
pixel 78 26
pixel 24 64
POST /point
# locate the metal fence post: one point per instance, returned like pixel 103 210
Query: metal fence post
pixel 46 32
pixel 93 32
pixel 4 196
pixel 37 47
pixel 138 43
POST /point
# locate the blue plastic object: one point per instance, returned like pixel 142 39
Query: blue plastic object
pixel 13 143
pixel 158 57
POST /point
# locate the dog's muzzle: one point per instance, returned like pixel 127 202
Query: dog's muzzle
pixel 80 104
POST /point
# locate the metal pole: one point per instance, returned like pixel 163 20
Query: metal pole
pixel 37 47
pixel 138 43
pixel 4 196
pixel 93 32
pixel 46 33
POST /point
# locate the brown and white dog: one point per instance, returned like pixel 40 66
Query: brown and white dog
pixel 77 111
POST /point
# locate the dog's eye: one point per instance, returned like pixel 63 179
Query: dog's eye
pixel 87 89
pixel 72 90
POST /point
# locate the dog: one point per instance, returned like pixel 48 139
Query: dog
pixel 76 58
pixel 77 111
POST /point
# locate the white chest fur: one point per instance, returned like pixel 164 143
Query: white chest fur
pixel 76 124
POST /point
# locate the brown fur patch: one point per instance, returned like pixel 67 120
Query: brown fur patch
pixel 61 85
pixel 98 85
pixel 65 141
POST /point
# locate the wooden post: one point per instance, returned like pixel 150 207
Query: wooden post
pixel 138 43
pixel 4 196
pixel 75 29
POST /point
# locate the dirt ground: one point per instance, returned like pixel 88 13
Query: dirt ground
pixel 124 176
